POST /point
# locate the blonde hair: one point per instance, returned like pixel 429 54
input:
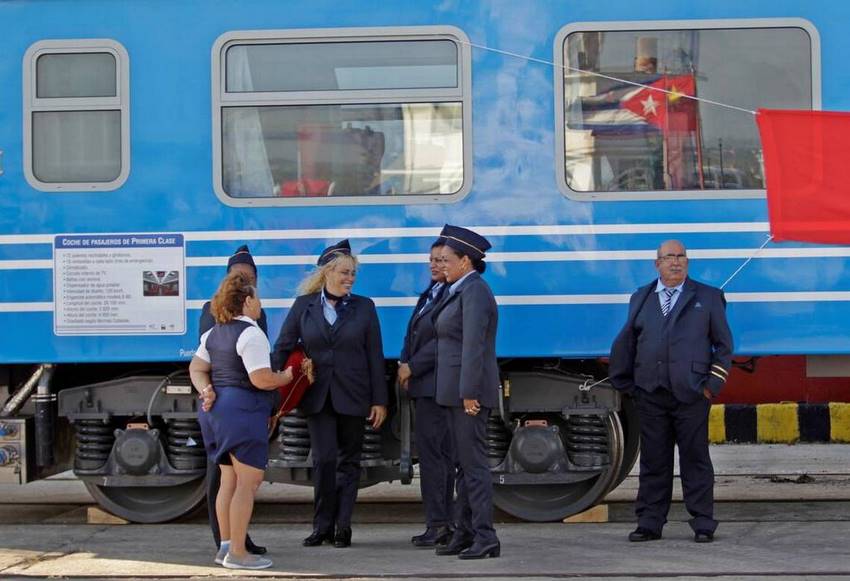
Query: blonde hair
pixel 229 299
pixel 315 281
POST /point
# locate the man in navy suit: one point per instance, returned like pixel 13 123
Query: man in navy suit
pixel 673 356
pixel 417 374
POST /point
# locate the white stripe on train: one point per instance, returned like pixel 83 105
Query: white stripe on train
pixel 548 256
pixel 512 300
pixel 357 233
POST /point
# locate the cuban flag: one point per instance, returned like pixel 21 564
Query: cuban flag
pixel 627 110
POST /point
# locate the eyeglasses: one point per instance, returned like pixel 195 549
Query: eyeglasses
pixel 673 257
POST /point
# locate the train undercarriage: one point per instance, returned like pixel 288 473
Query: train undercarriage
pixel 559 442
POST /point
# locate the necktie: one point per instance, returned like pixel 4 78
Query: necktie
pixel 432 297
pixel 668 299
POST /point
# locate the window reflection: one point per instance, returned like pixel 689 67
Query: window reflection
pixel 343 150
pixel 332 66
pixel 621 137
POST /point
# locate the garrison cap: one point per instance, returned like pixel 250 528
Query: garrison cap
pixel 242 256
pixel 464 241
pixel 333 251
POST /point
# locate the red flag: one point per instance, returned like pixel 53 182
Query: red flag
pixel 657 107
pixel 807 171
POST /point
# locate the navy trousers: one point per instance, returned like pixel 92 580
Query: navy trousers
pixel 337 442
pixel 665 422
pixel 436 461
pixel 474 505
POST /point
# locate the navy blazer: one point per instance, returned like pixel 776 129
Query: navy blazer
pixel 207 321
pixel 465 325
pixel 420 346
pixel 699 349
pixel 348 357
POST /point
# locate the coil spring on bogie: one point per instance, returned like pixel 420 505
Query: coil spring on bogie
pixel 371 443
pixel 94 443
pixel 294 437
pixel 185 444
pixel 498 440
pixel 587 440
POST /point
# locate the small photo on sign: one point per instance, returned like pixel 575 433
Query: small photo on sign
pixel 160 283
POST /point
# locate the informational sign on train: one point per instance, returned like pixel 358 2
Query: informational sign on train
pixel 119 284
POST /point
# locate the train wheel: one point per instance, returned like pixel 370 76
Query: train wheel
pixel 150 504
pixel 631 432
pixel 553 502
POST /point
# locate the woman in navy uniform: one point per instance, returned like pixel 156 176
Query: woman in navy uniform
pixel 417 374
pixel 340 332
pixel 468 386
pixel 234 356
pixel 242 262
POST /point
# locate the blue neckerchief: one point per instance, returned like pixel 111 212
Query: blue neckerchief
pixel 333 313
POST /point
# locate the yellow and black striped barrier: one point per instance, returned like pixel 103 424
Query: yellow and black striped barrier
pixel 779 423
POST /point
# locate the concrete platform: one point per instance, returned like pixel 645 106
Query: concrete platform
pixel 755 549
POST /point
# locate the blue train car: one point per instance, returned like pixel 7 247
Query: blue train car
pixel 142 141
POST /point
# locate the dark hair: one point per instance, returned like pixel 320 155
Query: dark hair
pixel 229 299
pixel 477 263
pixel 438 244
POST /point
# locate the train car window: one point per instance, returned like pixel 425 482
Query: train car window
pixel 76 115
pixel 76 75
pixel 332 66
pixel 348 116
pixel 618 140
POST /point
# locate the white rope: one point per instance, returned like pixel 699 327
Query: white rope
pixel 609 77
pixel 594 384
pixel 635 84
pixel 747 261
pixel 734 274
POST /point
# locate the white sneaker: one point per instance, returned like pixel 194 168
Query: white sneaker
pixel 249 561
pixel 221 554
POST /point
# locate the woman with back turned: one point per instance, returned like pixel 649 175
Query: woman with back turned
pixel 234 356
pixel 341 334
pixel 468 386
pixel 241 261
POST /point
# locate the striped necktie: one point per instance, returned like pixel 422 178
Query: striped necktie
pixel 432 296
pixel 668 300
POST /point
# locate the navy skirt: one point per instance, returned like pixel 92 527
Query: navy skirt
pixel 237 424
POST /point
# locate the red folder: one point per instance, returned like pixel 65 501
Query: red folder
pixel 292 392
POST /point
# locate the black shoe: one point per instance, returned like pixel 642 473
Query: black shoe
pixel 252 548
pixel 640 535
pixel 432 537
pixel 481 551
pixel 458 543
pixel 342 538
pixel 703 537
pixel 319 537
